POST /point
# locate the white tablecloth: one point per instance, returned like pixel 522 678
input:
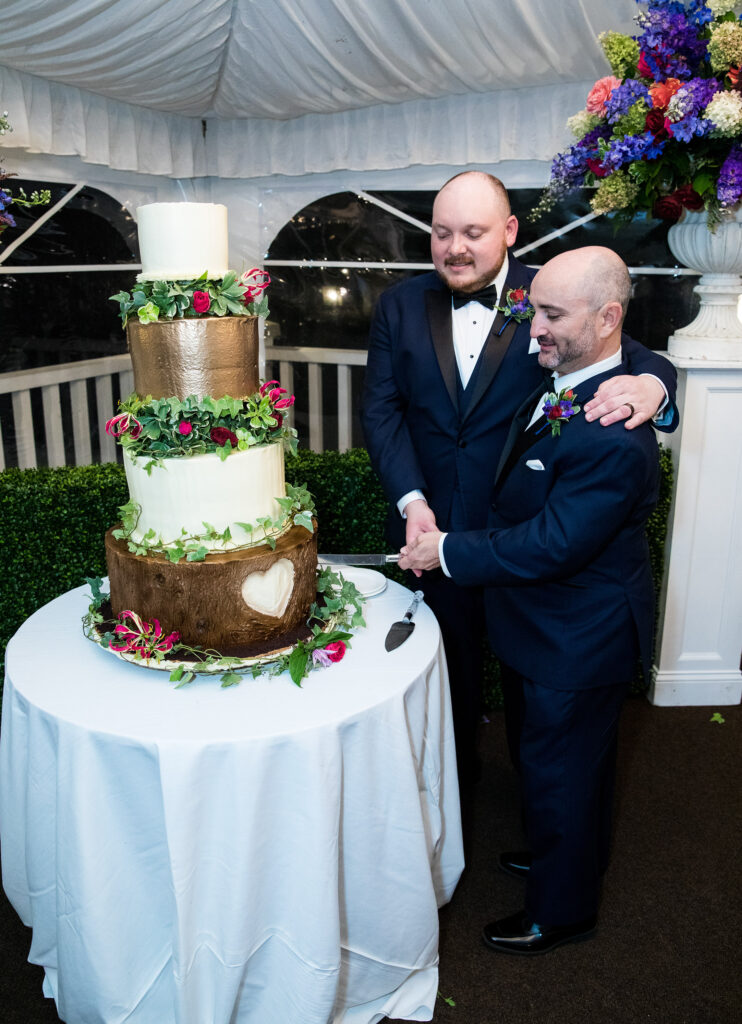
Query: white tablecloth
pixel 262 854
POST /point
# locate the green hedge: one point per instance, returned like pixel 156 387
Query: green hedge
pixel 52 523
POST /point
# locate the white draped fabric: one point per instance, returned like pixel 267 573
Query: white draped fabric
pixel 293 87
pixel 258 854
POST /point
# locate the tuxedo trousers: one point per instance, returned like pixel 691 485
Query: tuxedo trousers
pixel 563 744
pixel 460 614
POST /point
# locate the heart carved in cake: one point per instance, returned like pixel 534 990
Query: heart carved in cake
pixel 269 592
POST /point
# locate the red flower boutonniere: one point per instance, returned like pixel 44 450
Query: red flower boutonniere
pixel 517 305
pixel 559 409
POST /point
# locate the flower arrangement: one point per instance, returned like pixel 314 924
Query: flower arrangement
pixel 41 198
pixel 171 300
pixel 558 409
pixel 339 609
pixel 663 133
pixel 165 428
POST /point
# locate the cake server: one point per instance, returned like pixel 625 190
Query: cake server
pixel 371 559
pixel 400 631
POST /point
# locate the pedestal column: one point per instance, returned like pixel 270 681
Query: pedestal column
pixel 697 661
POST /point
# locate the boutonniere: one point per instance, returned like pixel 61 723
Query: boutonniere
pixel 559 409
pixel 517 306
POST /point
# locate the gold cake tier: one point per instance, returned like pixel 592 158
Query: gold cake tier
pixel 214 356
pixel 236 599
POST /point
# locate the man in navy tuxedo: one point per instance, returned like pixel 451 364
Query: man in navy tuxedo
pixel 446 372
pixel 569 596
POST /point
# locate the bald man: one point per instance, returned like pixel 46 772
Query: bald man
pixel 569 594
pixel 446 372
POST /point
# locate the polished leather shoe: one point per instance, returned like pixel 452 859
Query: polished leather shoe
pixel 515 862
pixel 520 935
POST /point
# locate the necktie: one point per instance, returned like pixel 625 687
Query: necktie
pixel 486 296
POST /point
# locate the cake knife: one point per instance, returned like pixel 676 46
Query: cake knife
pixel 370 559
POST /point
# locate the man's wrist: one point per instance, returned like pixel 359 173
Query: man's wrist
pixel 662 410
pixel 405 500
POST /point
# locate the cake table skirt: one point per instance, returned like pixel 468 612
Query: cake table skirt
pixel 265 854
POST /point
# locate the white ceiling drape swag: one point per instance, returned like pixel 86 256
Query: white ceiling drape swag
pixel 298 86
pixel 65 121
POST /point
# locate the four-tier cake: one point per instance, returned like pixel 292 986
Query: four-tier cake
pixel 212 543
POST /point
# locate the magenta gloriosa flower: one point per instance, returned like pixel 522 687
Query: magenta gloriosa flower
pixel 143 638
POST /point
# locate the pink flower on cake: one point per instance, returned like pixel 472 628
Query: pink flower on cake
pixel 335 651
pixel 220 436
pixel 184 428
pixel 122 424
pixel 201 301
pixel 600 92
pixel 254 282
pixel 141 637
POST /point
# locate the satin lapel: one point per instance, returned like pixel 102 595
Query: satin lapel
pixel 496 346
pixel 517 430
pixel 438 306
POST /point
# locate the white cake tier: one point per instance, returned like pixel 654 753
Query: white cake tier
pixel 186 492
pixel 179 241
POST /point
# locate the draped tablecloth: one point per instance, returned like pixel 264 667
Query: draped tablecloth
pixel 263 854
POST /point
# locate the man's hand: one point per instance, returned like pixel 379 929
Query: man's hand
pixel 422 553
pixel 420 519
pixel 634 399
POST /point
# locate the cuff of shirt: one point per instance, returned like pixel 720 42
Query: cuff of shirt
pixel 663 416
pixel 441 559
pixel 407 498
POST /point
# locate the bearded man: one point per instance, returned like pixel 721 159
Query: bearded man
pixel 569 595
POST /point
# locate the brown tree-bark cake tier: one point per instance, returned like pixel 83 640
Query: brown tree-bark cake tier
pixel 235 599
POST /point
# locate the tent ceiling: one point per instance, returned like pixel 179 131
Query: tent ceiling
pixel 281 59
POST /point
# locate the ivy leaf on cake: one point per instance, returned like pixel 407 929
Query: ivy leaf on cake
pixel 199 297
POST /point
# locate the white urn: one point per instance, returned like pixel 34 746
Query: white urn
pixel 716 333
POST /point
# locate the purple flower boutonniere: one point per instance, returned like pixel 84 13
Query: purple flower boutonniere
pixel 517 305
pixel 559 409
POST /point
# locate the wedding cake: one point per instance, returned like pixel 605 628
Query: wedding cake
pixel 212 543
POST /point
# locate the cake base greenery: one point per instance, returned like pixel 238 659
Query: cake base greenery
pixel 337 609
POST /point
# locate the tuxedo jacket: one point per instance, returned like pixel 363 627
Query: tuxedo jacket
pixel 564 555
pixel 419 432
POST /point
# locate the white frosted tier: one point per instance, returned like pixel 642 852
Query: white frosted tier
pixel 185 493
pixel 179 241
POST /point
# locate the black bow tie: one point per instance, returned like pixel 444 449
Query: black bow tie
pixel 486 296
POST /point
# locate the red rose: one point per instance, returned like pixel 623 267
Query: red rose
pixel 335 651
pixel 201 301
pixel 688 196
pixel 517 295
pixel 597 168
pixel 220 436
pixel 278 418
pixel 555 412
pixel 667 208
pixel 658 125
pixel 643 68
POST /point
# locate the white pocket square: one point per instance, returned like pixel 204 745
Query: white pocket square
pixel 535 464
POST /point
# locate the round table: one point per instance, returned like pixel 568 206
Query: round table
pixel 265 853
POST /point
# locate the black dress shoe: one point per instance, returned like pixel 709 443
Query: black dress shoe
pixel 518 934
pixel 515 862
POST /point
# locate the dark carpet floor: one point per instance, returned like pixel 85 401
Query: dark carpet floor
pixel 668 949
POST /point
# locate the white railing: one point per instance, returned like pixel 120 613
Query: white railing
pixel 89 419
